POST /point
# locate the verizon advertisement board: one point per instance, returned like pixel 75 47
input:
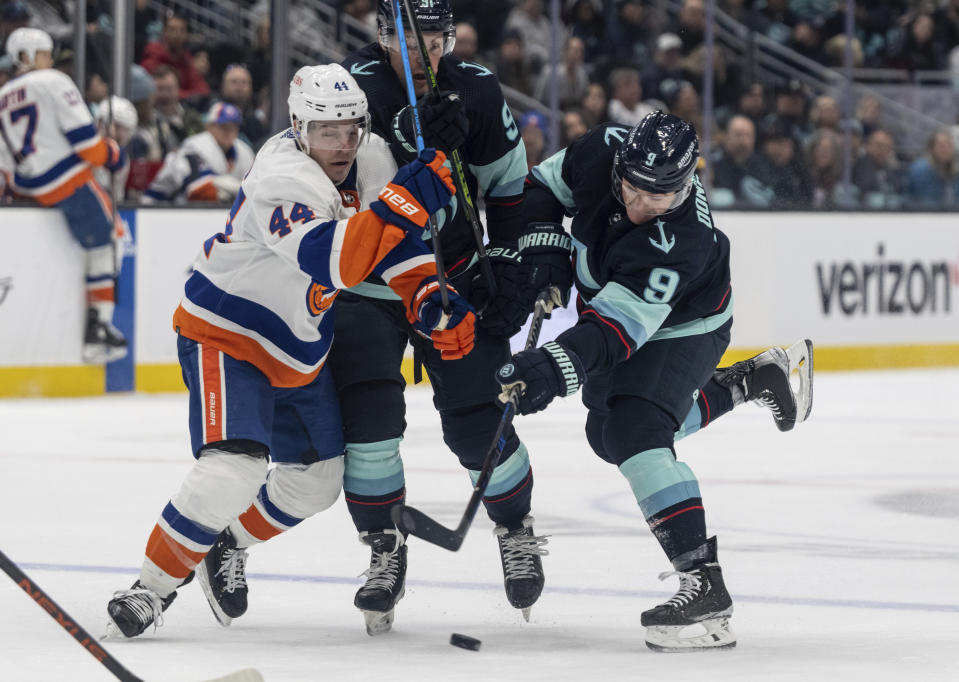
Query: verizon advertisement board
pixel 854 281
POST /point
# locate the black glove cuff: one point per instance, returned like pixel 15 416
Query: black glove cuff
pixel 545 237
pixel 569 368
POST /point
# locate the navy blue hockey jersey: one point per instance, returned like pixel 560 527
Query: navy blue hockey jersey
pixel 665 278
pixel 494 157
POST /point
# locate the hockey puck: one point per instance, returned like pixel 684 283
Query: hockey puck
pixel 465 642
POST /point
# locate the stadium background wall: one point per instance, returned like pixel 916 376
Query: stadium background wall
pixel 874 291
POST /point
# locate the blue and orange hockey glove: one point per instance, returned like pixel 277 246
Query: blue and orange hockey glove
pixel 418 190
pixel 451 334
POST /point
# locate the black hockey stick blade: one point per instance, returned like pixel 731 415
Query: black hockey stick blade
pixel 412 521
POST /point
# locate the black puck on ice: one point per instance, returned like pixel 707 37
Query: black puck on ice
pixel 465 642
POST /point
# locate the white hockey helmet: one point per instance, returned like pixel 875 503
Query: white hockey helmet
pixel 30 41
pixel 325 93
pixel 124 113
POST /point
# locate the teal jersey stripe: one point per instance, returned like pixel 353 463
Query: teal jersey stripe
pixel 505 176
pixel 640 318
pixel 703 325
pixel 550 173
pixel 508 474
pixel 371 290
pixel 373 468
pixel 658 480
pixel 692 423
pixel 582 265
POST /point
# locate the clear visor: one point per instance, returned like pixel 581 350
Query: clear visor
pixel 654 202
pixel 437 43
pixel 332 135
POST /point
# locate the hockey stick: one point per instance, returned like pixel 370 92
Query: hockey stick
pixel 84 638
pixel 414 522
pixel 455 158
pixel 411 95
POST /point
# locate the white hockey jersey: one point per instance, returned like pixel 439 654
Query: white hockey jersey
pixel 261 290
pixel 48 140
pixel 201 171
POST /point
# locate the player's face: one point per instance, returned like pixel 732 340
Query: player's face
pixel 642 205
pixel 434 47
pixel 333 145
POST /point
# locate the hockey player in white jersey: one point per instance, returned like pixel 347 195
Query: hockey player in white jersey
pixel 256 324
pixel 117 119
pixel 49 146
pixel 208 166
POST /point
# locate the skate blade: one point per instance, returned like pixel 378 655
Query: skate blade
pixel 800 356
pixel 378 622
pixel 95 354
pixel 526 613
pixel 669 638
pixel 203 579
pixel 112 631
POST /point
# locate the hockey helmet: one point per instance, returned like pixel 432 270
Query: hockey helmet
pixel 659 155
pixel 124 113
pixel 30 41
pixel 433 16
pixel 323 94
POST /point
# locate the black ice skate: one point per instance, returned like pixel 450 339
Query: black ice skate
pixel 385 579
pixel 102 342
pixel 133 611
pixel 520 551
pixel 222 575
pixel 771 379
pixel 702 599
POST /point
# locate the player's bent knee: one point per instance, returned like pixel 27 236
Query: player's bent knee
pixel 303 490
pixel 467 432
pixel 372 411
pixel 220 486
pixel 595 422
pixel 635 425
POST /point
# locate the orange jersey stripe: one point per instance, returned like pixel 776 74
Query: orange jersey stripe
pixel 69 186
pixel 366 242
pixel 172 557
pixel 405 284
pixel 212 394
pixel 106 294
pixel 241 348
pixel 96 154
pixel 256 525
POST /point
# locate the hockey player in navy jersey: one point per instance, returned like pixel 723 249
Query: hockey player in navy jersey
pixel 255 328
pixel 473 117
pixel 655 311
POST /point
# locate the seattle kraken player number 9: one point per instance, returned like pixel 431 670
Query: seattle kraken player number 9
pixel 655 312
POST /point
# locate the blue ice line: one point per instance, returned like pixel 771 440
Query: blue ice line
pixel 572 591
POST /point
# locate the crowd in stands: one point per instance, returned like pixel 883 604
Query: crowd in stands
pixel 775 145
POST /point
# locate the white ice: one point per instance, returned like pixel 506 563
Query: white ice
pixel 839 542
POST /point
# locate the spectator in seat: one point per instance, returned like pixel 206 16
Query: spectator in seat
pixel 532 127
pixel 933 180
pixel 171 51
pixel 208 166
pixel 784 172
pixel 570 76
pixel 666 65
pixel 824 159
pixel 575 125
pixel 537 31
pixel 625 102
pixel 236 87
pixel 467 42
pixel 737 170
pixel 596 104
pixel 877 174
pixel 511 65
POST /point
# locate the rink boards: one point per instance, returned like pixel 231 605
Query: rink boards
pixel 872 291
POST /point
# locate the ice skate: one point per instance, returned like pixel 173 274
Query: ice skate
pixel 520 551
pixel 385 579
pixel 222 575
pixel 702 601
pixel 102 342
pixel 780 379
pixel 133 611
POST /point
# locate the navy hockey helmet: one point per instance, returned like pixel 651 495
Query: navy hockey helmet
pixel 659 155
pixel 433 16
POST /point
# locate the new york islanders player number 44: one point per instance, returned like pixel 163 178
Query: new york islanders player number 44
pixel 255 328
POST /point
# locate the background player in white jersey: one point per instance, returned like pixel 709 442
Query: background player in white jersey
pixel 117 120
pixel 208 166
pixel 255 327
pixel 49 145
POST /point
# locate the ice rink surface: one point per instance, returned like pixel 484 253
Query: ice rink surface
pixel 839 542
